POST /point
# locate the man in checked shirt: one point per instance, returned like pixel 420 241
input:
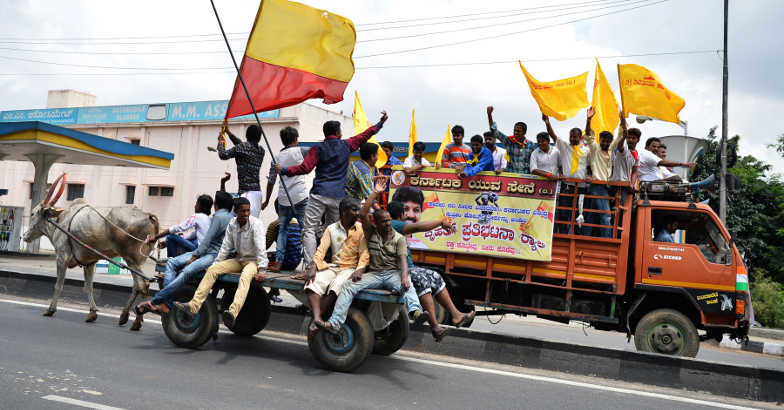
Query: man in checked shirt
pixel 248 155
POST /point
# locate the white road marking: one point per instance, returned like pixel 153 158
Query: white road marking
pixel 81 403
pixel 476 369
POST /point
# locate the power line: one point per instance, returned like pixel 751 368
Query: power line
pixel 118 52
pixel 507 34
pixel 627 3
pixel 100 66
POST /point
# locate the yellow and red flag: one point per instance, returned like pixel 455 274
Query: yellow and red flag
pixel 361 124
pixel 643 93
pixel 294 53
pixel 604 103
pixel 560 99
pixel 412 137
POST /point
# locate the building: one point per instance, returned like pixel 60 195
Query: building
pixel 185 129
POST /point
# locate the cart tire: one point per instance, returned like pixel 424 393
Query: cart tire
pixel 391 339
pixel 667 331
pixel 191 333
pixel 346 351
pixel 254 315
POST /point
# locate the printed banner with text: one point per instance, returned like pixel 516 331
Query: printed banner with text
pixel 502 215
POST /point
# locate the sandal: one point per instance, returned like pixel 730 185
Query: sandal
pixel 438 334
pixel 326 326
pixel 299 276
pixel 466 320
pixel 144 307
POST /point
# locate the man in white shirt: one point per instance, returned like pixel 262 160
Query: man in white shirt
pixel 247 235
pixel 199 223
pixel 499 154
pixel 664 172
pixel 545 158
pixel 417 161
pixel 650 162
pixel 574 164
pixel 624 161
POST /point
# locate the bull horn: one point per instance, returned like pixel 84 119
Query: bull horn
pixel 46 201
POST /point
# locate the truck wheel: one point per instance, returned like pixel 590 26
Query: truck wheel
pixel 191 333
pixel 254 315
pixel 667 331
pixel 347 350
pixel 391 339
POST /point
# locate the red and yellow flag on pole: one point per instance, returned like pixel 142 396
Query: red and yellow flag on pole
pixel 361 123
pixel 643 93
pixel 412 135
pixel 560 99
pixel 604 103
pixel 294 53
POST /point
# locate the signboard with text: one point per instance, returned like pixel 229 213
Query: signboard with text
pixel 502 215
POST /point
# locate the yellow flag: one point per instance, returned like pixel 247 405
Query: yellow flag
pixel 412 137
pixel 643 93
pixel 361 124
pixel 606 117
pixel 560 99
pixel 447 139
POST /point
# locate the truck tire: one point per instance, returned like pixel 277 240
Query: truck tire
pixel 391 339
pixel 667 331
pixel 254 315
pixel 191 333
pixel 346 351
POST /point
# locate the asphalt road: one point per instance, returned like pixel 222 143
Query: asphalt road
pixel 50 362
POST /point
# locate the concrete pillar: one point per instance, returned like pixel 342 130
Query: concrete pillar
pixel 42 164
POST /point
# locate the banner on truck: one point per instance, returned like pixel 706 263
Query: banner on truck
pixel 504 215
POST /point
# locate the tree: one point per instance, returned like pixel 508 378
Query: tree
pixel 767 297
pixel 779 145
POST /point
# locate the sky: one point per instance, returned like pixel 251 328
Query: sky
pixel 151 52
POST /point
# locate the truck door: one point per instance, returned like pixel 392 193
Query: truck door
pixel 686 249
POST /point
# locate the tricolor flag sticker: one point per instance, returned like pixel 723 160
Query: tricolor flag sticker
pixel 742 282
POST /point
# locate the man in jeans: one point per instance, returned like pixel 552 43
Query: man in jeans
pixel 601 169
pixel 291 155
pixel 180 269
pixel 330 158
pixel 248 155
pixel 388 267
pixel 247 235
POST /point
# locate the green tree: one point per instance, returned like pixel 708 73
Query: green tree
pixel 767 297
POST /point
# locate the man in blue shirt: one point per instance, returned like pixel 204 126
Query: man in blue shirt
pixel 665 232
pixel 480 159
pixel 389 149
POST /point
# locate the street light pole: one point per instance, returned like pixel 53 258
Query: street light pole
pixel 723 179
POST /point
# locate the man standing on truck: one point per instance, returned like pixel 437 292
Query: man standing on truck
pixel 574 164
pixel 601 168
pixel 246 235
pixel 346 240
pixel 330 158
pixel 650 161
pixel 480 159
pixel 291 155
pixel 455 153
pixel 248 156
pixel 624 154
pixel 359 182
pixel 545 159
pixel 518 147
pixel 499 154
pixel 417 161
pixel 388 266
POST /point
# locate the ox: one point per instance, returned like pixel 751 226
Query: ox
pixel 104 232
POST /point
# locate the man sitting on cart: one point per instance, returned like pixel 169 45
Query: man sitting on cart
pixel 247 236
pixel 350 256
pixel 388 267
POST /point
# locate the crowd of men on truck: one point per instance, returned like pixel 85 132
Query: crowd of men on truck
pixel 367 243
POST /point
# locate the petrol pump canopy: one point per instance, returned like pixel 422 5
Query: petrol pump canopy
pixel 18 140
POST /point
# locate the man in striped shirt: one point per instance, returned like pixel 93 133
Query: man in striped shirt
pixel 455 153
pixel 359 182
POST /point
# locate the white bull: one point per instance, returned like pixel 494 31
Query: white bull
pixel 104 232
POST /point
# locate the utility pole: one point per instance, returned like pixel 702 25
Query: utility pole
pixel 723 179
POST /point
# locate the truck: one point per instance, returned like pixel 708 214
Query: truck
pixel 668 295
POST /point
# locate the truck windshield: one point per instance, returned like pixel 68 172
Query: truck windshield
pixel 695 228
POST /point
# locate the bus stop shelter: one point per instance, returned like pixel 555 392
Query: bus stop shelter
pixel 46 144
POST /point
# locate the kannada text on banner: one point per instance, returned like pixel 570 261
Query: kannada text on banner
pixel 502 215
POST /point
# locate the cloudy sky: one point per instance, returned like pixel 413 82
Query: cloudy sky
pixel 167 51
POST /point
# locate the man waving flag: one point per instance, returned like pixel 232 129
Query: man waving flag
pixel 294 53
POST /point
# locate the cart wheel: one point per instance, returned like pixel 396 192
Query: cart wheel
pixel 254 315
pixel 391 339
pixel 193 333
pixel 347 350
pixel 667 331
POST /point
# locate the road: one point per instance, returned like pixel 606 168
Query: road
pixel 62 362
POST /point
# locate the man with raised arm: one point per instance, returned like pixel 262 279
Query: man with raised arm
pixel 601 169
pixel 248 155
pixel 517 146
pixel 346 240
pixel 330 158
pixel 388 268
pixel 624 154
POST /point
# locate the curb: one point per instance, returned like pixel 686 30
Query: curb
pixel 775 349
pixel 767 333
pixel 665 371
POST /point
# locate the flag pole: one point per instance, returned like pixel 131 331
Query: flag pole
pixel 247 94
pixel 620 89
